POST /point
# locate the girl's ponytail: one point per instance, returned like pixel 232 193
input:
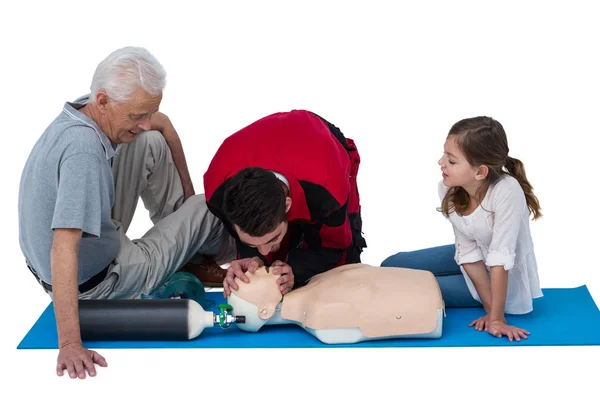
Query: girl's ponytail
pixel 515 168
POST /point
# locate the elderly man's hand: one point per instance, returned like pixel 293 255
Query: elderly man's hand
pixel 188 190
pixel 76 359
pixel 286 281
pixel 237 268
pixel 160 122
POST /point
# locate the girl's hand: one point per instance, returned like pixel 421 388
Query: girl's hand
pixel 499 328
pixel 481 323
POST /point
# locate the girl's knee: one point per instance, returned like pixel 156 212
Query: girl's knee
pixel 394 260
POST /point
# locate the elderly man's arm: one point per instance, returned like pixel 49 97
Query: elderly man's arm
pixel 63 262
pixel 162 123
pixel 72 355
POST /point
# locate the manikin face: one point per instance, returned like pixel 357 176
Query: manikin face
pixel 257 300
pixel 269 242
pixel 121 122
pixel 262 289
pixel 456 170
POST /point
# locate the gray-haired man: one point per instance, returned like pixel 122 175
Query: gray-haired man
pixel 79 190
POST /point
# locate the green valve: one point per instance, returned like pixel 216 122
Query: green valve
pixel 223 309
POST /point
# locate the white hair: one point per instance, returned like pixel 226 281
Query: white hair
pixel 124 71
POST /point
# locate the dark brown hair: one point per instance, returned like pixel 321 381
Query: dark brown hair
pixel 483 141
pixel 254 200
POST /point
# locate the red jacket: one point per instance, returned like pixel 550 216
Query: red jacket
pixel 309 152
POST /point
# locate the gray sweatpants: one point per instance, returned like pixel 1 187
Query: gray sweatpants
pixel 145 169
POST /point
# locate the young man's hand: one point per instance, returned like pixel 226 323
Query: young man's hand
pixel 286 281
pixel 237 269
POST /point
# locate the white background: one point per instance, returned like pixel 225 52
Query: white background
pixel 393 76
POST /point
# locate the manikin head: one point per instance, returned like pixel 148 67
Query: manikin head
pixel 256 203
pixel 126 90
pixel 257 300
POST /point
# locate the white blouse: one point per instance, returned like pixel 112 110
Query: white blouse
pixel 498 233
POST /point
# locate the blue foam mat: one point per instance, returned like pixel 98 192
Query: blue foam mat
pixel 563 317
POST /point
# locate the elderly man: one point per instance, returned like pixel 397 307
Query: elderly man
pixel 79 190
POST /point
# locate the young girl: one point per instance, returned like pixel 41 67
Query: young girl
pixel 486 196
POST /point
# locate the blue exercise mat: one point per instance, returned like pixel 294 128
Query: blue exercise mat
pixel 563 317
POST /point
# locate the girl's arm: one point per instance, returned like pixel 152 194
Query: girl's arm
pixel 499 287
pixel 509 207
pixel 481 280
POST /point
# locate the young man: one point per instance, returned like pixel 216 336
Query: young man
pixel 285 187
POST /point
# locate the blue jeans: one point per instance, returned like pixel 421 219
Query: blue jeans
pixel 440 261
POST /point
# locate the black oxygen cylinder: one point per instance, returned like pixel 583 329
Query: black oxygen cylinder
pixel 132 319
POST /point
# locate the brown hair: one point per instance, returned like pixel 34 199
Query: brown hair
pixel 483 142
pixel 254 200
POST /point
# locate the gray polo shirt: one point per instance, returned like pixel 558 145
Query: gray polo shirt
pixel 67 182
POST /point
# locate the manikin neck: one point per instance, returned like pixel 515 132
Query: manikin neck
pixel 250 311
pixel 277 319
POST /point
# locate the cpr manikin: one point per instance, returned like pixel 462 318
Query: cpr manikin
pixel 347 304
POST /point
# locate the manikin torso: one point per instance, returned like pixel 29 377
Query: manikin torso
pixel 347 304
